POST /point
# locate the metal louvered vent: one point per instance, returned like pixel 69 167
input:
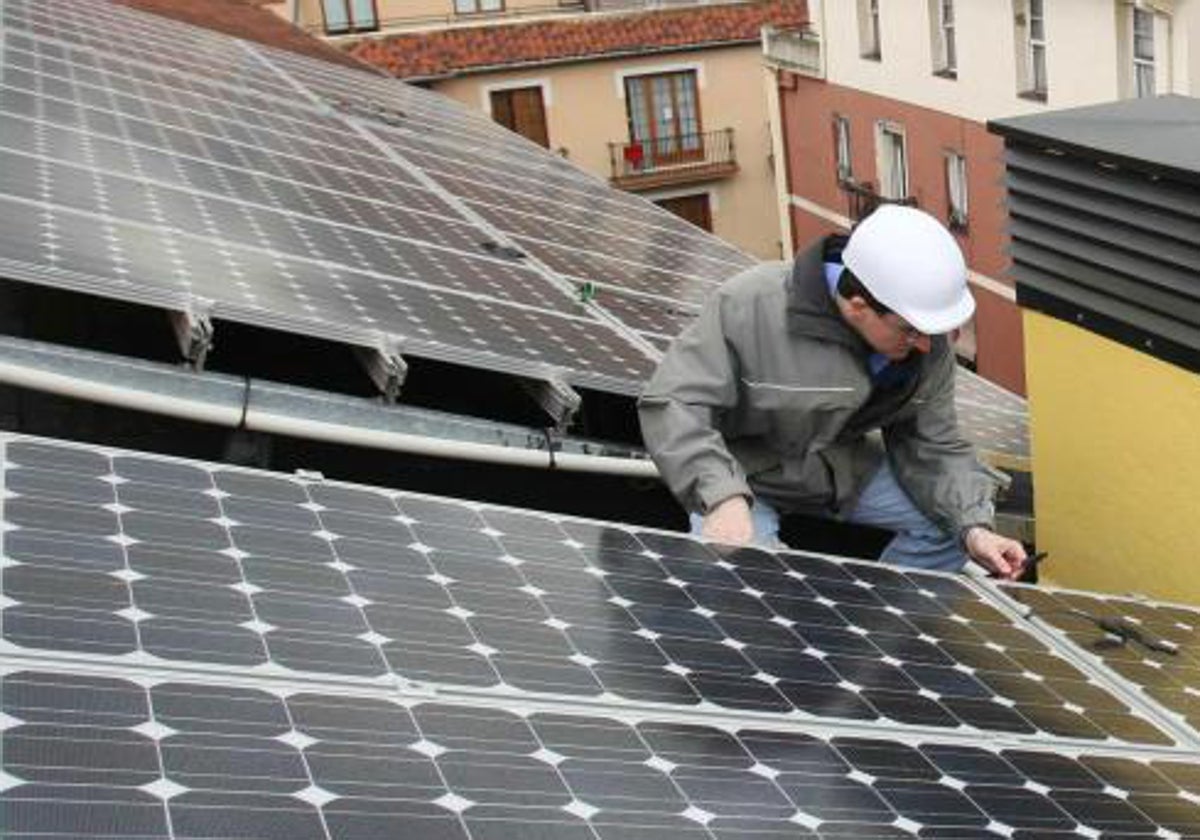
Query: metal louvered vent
pixel 1112 247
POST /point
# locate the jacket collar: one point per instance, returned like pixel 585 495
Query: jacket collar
pixel 811 310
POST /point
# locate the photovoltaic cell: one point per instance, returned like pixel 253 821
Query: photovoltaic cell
pixel 113 30
pixel 125 555
pixel 994 420
pixel 1152 645
pixel 267 205
pixel 282 191
pixel 571 189
pixel 655 248
pixel 172 757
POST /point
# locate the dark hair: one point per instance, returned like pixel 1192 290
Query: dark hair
pixel 849 286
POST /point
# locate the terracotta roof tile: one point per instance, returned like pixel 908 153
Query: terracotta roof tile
pixel 245 19
pixel 473 48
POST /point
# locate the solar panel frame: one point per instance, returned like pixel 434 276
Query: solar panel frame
pixel 191 136
pixel 1157 678
pixel 993 419
pixel 141 94
pixel 439 594
pixel 162 751
pixel 161 745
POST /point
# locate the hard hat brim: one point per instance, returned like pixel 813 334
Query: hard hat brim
pixel 942 320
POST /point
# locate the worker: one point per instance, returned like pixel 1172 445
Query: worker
pixel 826 386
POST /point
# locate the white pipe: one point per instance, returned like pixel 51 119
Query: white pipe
pixel 443 448
pixel 118 395
pixel 262 421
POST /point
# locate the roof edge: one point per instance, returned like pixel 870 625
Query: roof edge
pixel 476 70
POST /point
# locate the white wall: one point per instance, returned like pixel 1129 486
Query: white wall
pixel 1187 42
pixel 1082 54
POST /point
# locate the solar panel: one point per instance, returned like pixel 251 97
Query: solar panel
pixel 994 420
pixel 290 193
pixel 163 755
pixel 196 650
pixel 130 556
pixel 284 192
pixel 1152 645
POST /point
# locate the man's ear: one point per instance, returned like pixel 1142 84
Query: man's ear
pixel 856 307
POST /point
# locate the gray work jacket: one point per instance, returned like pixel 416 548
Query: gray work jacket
pixel 768 394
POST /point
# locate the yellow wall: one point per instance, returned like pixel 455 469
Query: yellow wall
pixel 585 110
pixel 1116 453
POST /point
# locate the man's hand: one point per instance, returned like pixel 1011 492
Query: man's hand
pixel 729 523
pixel 1004 557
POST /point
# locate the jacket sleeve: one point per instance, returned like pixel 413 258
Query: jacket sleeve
pixel 679 410
pixel 933 462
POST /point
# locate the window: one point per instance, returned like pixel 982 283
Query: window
pixel 523 111
pixel 893 162
pixel 868 29
pixel 1037 47
pixel 1143 52
pixel 945 55
pixel 664 117
pixel 1031 38
pixel 956 190
pixel 841 149
pixel 476 7
pixel 349 16
pixel 1144 49
pixel 692 208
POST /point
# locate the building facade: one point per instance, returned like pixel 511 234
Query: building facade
pixel 889 98
pixel 672 103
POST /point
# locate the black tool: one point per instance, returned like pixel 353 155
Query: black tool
pixel 1126 631
pixel 1033 563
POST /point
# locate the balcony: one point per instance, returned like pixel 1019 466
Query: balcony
pixel 795 50
pixel 665 161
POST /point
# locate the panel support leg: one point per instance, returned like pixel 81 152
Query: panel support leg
pixel 557 398
pixel 386 368
pixel 194 334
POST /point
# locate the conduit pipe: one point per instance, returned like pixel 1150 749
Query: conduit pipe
pixel 234 403
pixel 110 393
pixel 445 448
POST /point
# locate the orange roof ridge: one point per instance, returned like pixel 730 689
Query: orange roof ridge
pixel 247 19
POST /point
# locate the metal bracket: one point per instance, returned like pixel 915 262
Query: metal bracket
pixel 248 449
pixel 556 397
pixel 193 333
pixel 387 369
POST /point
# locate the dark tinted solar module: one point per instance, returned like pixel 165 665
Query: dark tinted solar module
pixel 158 756
pixel 1155 646
pixel 124 555
pixel 147 160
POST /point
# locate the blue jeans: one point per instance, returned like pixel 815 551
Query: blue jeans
pixel 918 542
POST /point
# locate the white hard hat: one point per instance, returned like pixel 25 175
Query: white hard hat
pixel 911 264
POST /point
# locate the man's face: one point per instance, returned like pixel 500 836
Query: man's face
pixel 888 334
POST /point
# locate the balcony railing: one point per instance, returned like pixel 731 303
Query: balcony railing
pixel 797 50
pixel 684 158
